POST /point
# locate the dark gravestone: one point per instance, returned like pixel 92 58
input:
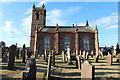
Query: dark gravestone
pixel 109 59
pixel 49 67
pixel 17 55
pixel 23 54
pixel 63 56
pixel 87 71
pixel 11 57
pixel 118 57
pixel 30 73
pixel 53 58
pixel 78 62
pixel 96 58
pixel 3 54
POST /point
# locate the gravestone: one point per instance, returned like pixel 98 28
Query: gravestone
pixel 3 54
pixel 11 57
pixel 63 56
pixel 87 71
pixel 109 59
pixel 17 55
pixel 114 52
pixel 23 54
pixel 87 55
pixel 84 55
pixel 91 53
pixel 80 52
pixel 53 58
pixel 118 57
pixel 78 62
pixel 69 56
pixel 96 58
pixel 49 67
pixel 100 53
pixel 76 53
pixel 45 56
pixel 30 73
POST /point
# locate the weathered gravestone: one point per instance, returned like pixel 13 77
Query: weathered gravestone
pixel 80 52
pixel 87 55
pixel 77 53
pixel 63 56
pixel 114 52
pixel 84 56
pixel 87 71
pixel 91 53
pixel 53 58
pixel 69 56
pixel 17 55
pixel 49 66
pixel 118 58
pixel 109 59
pixel 45 56
pixel 100 53
pixel 96 58
pixel 23 54
pixel 3 54
pixel 30 73
pixel 11 57
pixel 78 62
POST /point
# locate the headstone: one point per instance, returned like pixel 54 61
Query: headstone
pixel 114 52
pixel 87 71
pixel 91 53
pixel 96 58
pixel 17 55
pixel 84 55
pixel 80 52
pixel 30 73
pixel 118 57
pixel 11 57
pixel 45 56
pixel 76 53
pixel 78 62
pixel 63 56
pixel 69 56
pixel 53 58
pixel 109 59
pixel 87 55
pixel 23 54
pixel 49 67
pixel 100 53
pixel 3 54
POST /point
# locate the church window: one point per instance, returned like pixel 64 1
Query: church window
pixel 86 43
pixel 47 43
pixel 66 43
pixel 37 16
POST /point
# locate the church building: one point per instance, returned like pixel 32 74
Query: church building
pixel 58 38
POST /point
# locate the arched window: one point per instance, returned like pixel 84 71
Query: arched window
pixel 47 43
pixel 86 43
pixel 66 43
pixel 37 16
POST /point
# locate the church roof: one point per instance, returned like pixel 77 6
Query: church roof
pixel 67 29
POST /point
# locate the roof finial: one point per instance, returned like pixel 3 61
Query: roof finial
pixel 96 28
pixel 43 6
pixel 34 5
pixel 87 24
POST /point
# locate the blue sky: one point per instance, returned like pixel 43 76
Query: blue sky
pixel 16 19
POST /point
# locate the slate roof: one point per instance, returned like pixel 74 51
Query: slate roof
pixel 67 29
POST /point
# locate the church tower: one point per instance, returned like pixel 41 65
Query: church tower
pixel 38 21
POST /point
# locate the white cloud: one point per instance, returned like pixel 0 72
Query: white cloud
pixel 29 11
pixel 113 26
pixel 41 3
pixel 8 28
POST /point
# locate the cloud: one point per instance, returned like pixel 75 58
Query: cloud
pixel 111 27
pixel 8 28
pixel 58 15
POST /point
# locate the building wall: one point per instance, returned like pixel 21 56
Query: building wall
pixel 62 35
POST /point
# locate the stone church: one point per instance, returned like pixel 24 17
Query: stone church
pixel 58 38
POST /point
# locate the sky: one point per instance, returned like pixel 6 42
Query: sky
pixel 16 19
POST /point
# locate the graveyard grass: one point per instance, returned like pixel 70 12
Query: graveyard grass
pixel 62 69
